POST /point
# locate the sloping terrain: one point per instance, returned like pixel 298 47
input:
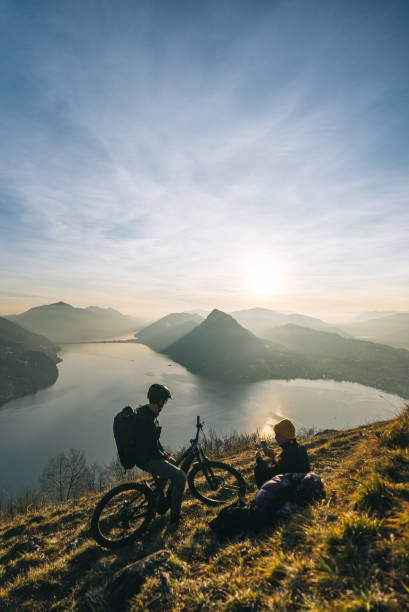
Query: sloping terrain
pixel 168 330
pixel 375 365
pixel 349 552
pixel 11 332
pixel 221 348
pixel 27 361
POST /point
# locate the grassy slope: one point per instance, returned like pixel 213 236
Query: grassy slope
pixel 350 552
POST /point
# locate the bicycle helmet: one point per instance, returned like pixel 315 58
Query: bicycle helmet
pixel 158 392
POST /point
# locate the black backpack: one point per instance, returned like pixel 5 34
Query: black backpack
pixel 236 518
pixel 126 429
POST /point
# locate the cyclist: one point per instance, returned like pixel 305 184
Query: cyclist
pixel 293 457
pixel 152 457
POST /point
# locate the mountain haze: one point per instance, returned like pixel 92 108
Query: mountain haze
pixel 11 332
pixel 260 320
pixel 62 322
pixel 391 329
pixel 375 365
pixel 168 330
pixel 373 314
pixel 221 348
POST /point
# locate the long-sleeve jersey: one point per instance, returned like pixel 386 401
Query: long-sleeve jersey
pixel 293 458
pixel 149 446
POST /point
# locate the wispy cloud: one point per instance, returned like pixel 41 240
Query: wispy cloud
pixel 155 163
pixel 22 295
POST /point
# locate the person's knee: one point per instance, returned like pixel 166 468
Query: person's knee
pixel 180 479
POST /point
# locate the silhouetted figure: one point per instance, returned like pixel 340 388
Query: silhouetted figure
pixel 293 457
pixel 153 458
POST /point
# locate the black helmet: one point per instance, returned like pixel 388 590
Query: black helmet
pixel 158 392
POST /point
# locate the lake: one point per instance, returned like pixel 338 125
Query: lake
pixel 97 380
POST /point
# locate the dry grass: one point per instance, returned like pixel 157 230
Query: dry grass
pixel 349 552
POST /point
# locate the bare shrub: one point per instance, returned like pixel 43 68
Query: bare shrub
pixel 65 476
pixel 217 445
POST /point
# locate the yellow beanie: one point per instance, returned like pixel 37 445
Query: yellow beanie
pixel 285 428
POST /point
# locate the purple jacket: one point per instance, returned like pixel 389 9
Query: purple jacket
pixel 279 494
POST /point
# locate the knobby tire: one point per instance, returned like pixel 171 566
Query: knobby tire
pixel 230 484
pixel 122 515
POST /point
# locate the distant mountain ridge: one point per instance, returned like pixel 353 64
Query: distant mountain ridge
pixel 369 363
pixel 168 329
pixel 27 361
pixel 390 329
pixel 260 320
pixel 12 332
pixel 221 348
pixel 373 314
pixel 61 322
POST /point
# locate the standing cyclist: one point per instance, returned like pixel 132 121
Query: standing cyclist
pixel 151 455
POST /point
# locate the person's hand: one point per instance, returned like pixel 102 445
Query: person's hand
pixel 270 453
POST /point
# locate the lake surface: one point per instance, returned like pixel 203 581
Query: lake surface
pixel 97 380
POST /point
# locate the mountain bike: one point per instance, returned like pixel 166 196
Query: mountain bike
pixel 124 513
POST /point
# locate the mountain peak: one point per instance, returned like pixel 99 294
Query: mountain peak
pixel 61 322
pixel 63 304
pixel 219 315
pixel 47 307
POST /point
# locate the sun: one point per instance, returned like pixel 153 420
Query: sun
pixel 263 281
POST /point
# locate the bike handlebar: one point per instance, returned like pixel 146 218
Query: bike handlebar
pixel 199 426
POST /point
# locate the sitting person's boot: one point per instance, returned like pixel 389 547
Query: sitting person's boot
pixel 174 523
pixel 162 505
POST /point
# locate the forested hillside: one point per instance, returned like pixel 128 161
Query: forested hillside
pixel 27 361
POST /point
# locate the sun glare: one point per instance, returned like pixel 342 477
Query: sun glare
pixel 263 281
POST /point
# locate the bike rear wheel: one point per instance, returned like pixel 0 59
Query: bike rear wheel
pixel 122 515
pixel 216 483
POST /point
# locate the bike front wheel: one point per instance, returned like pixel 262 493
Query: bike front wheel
pixel 216 483
pixel 122 515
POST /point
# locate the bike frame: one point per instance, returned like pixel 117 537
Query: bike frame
pixel 195 452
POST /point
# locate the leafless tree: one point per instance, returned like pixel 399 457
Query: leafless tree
pixel 65 476
pixel 97 478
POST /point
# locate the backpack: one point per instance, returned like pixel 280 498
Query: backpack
pixel 235 518
pixel 126 436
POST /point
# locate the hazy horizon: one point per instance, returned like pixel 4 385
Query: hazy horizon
pixel 167 157
pixel 205 311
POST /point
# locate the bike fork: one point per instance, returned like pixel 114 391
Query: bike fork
pixel 210 477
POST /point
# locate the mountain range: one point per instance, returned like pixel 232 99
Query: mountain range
pixel 61 322
pixel 243 346
pixel 220 347
pixel 390 329
pixel 369 363
pixel 260 320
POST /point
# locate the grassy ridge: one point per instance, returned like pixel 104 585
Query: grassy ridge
pixel 350 552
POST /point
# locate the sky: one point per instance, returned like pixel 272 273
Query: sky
pixel 165 156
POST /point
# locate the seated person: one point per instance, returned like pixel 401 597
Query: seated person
pixel 293 457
